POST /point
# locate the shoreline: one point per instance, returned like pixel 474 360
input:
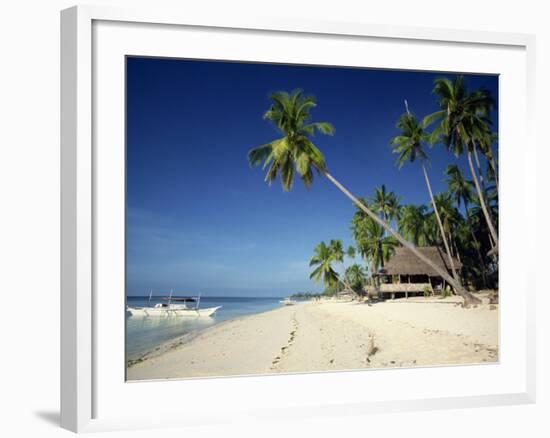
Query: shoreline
pixel 179 340
pixel 330 336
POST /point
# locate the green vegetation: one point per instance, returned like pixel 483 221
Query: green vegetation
pixel 356 275
pixel 464 124
pixel 461 220
pixel 427 291
pixel 410 146
pixel 374 245
pixel 305 295
pixel 323 259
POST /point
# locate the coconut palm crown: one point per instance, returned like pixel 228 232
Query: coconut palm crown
pixel 409 143
pixel 413 224
pixel 323 259
pixel 463 116
pixel 386 203
pixel 372 243
pixel 459 187
pixel 294 151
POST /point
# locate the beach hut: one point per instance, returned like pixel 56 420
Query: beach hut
pixel 404 274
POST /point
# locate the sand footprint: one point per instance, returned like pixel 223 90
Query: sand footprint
pixel 290 341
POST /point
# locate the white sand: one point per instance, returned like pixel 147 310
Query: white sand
pixel 322 336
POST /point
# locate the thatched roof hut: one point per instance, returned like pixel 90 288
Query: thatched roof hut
pixel 404 262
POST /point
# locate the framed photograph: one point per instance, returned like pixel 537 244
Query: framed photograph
pixel 255 206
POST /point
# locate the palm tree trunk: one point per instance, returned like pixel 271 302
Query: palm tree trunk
pixel 467 296
pixel 482 179
pixel 479 170
pixel 477 246
pixel 385 231
pixel 381 252
pixel 372 281
pixel 345 282
pixel 455 246
pixel 493 165
pixel 445 242
pixel 482 200
pixel 457 254
pixel 451 244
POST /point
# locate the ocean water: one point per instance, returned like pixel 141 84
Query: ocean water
pixel 143 334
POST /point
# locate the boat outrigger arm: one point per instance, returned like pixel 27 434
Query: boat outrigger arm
pixel 173 308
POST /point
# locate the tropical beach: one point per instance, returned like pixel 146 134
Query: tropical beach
pixel 331 335
pixel 293 219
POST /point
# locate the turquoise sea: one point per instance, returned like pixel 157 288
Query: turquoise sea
pixel 143 334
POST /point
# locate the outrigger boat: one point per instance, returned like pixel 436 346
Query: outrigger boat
pixel 183 306
pixel 288 302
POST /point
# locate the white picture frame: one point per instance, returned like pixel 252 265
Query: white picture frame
pixel 81 374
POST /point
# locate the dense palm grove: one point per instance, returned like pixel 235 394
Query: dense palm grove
pixel 463 220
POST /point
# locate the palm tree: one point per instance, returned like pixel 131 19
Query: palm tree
pixel 432 230
pixel 372 243
pixel 385 203
pixel 295 152
pixel 409 145
pixel 412 224
pixel 463 123
pixel 459 187
pixel 338 253
pixel 323 259
pixel 477 212
pixel 450 219
pixel 356 277
pixel 491 175
pixel 486 146
pixel 462 191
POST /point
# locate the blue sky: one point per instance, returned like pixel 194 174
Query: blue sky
pixel 199 219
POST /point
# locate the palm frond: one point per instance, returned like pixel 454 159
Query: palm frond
pixel 294 152
pixel 432 118
pixel 259 154
pixel 322 127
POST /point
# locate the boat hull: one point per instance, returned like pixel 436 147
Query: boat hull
pixel 167 312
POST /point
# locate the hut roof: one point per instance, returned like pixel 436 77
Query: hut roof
pixel 404 262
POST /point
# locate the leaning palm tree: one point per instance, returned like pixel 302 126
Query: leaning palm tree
pixel 486 146
pixel 476 211
pixel 462 191
pixel 409 147
pixel 463 124
pixel 294 152
pixel 323 259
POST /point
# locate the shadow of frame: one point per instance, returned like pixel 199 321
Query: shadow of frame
pixel 51 417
